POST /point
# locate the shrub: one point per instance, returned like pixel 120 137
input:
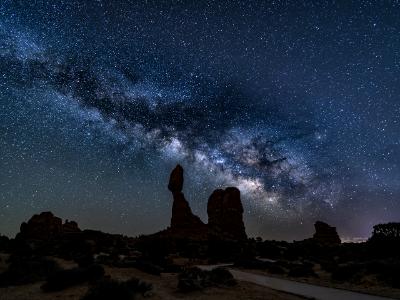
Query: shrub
pixel 66 278
pixel 274 268
pixel 4 243
pixel 388 273
pixel 347 272
pixel 389 231
pixel 221 276
pixel 84 260
pixel 106 259
pixel 148 267
pixel 27 270
pixel 250 263
pixel 302 270
pixel 107 289
pixel 193 279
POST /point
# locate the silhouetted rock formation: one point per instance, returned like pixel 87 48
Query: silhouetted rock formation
pixel 46 226
pixel 182 216
pixel 175 183
pixel 70 227
pixel 41 227
pixel 225 214
pixel 4 243
pixel 325 234
pixel 45 234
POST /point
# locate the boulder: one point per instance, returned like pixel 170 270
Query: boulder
pixel 325 234
pixel 176 179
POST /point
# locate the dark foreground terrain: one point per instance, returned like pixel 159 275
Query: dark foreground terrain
pixel 52 259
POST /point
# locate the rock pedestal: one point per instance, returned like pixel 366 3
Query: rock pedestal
pixel 182 216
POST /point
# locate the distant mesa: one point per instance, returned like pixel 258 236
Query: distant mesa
pixel 224 209
pixel 325 234
pixel 46 226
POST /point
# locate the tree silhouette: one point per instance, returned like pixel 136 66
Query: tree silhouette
pixel 386 232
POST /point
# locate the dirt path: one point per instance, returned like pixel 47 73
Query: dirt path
pixel 297 288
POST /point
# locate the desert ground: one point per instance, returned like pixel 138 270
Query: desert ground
pixel 164 287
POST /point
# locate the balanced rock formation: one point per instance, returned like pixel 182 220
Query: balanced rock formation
pixel 175 183
pixel 46 226
pixel 182 216
pixel 325 234
pixel 225 214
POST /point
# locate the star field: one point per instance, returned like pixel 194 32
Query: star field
pixel 297 104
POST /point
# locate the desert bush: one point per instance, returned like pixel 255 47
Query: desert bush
pixel 347 272
pixel 84 260
pixel 193 279
pixel 27 270
pixel 105 259
pixel 107 289
pixel 328 265
pixel 224 251
pixel 221 276
pixel 4 243
pixel 272 249
pixel 274 268
pixel 250 263
pixel 170 267
pixel 148 267
pixel 385 241
pixel 302 270
pixel 125 263
pixel 66 278
pixel 154 249
pixel 20 249
pixel 386 272
pixel 389 231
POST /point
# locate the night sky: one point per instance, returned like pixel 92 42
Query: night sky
pixel 294 102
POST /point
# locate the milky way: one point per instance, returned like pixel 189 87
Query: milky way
pixel 295 104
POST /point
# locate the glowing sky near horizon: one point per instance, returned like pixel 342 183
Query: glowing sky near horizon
pixel 297 104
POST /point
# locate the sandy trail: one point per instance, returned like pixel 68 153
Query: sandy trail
pixel 298 288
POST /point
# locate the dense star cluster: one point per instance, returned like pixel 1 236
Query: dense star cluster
pixel 295 103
